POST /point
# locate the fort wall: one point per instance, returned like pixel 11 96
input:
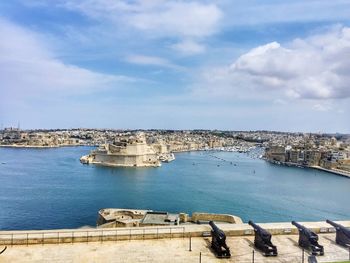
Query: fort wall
pixel 139 233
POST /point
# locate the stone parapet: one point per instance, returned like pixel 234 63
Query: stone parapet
pixel 139 233
pixel 197 217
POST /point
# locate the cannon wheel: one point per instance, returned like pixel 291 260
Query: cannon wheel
pixel 2 251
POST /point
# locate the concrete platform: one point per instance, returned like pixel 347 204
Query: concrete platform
pixel 169 250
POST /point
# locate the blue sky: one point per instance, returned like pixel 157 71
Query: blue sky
pixel 226 64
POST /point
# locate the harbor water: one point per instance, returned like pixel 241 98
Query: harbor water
pixel 50 188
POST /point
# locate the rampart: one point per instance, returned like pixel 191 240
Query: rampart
pixel 197 217
pixel 140 233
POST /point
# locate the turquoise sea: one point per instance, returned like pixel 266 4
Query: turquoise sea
pixel 50 188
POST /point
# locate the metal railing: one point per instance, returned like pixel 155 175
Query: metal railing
pixel 90 235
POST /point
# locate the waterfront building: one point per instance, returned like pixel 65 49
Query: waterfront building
pixel 294 154
pixel 344 165
pixel 276 153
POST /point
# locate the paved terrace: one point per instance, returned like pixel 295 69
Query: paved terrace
pixel 175 249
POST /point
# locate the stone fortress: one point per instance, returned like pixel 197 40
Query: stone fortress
pixel 116 217
pixel 129 152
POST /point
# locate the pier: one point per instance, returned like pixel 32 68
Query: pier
pixel 333 171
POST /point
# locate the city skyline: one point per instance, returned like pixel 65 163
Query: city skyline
pixel 226 65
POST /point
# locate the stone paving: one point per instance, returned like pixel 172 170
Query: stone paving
pixel 169 250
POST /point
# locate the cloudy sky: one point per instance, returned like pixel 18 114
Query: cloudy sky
pixel 225 64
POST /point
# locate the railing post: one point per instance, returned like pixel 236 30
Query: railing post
pixel 143 234
pixel 42 239
pixel 72 237
pixel 190 244
pixel 200 257
pixel 58 237
pixel 11 239
pixel 27 238
pixel 302 259
pixel 157 233
pixel 129 234
pixel 87 237
pixel 253 259
pixel 170 232
pixel 102 236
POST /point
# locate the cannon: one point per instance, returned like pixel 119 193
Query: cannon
pixel 218 242
pixel 309 240
pixel 263 240
pixel 342 234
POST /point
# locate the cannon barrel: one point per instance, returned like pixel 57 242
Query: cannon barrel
pixel 339 227
pixel 306 231
pixel 255 226
pixel 332 223
pixel 335 224
pixel 213 226
pixel 263 233
pixel 345 230
pixel 297 225
pixel 220 235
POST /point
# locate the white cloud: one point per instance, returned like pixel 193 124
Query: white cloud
pixel 314 68
pixel 174 18
pixel 28 68
pixel 151 61
pixel 178 18
pixel 189 47
pixel 322 107
pixel 186 22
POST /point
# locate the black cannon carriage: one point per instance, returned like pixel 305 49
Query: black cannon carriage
pixel 262 240
pixel 342 234
pixel 309 240
pixel 218 242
